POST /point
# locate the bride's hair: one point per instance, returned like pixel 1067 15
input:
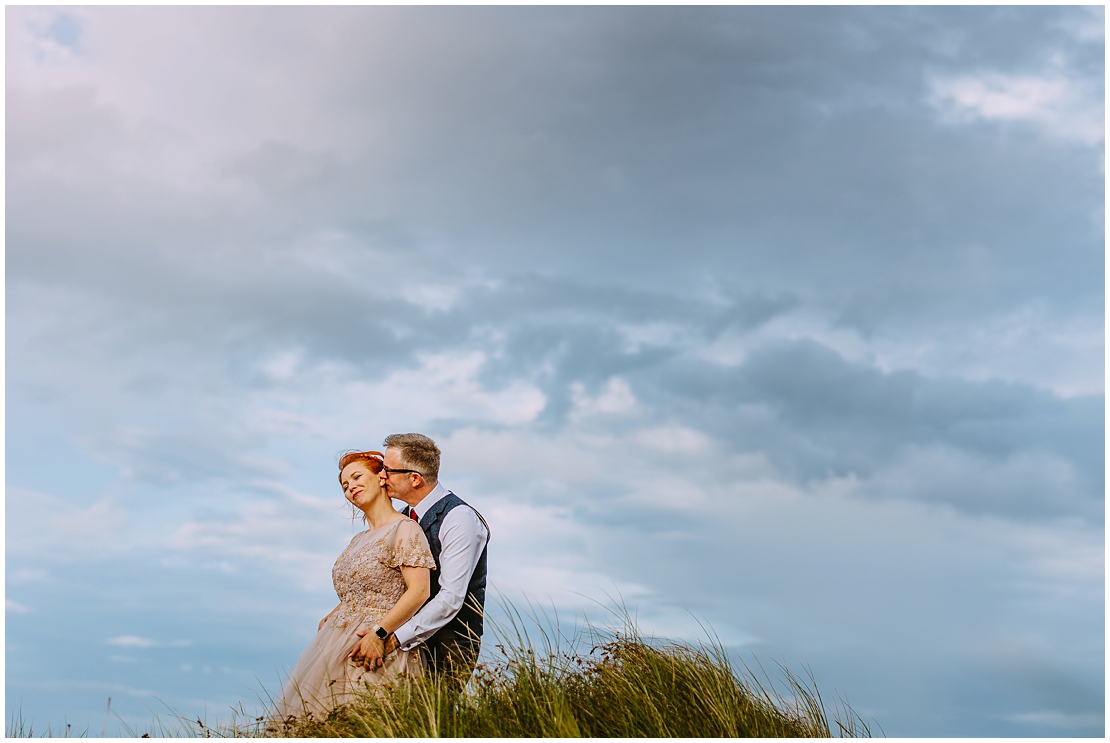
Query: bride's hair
pixel 372 459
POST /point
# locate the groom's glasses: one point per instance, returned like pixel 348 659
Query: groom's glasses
pixel 390 471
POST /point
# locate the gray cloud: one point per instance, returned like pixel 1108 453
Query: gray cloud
pixel 814 413
pixel 724 161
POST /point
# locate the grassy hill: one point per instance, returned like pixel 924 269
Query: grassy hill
pixel 623 685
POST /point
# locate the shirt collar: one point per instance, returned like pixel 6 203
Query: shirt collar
pixel 430 500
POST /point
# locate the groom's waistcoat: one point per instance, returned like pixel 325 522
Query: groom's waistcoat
pixel 467 624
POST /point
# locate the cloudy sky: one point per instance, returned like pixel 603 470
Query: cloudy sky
pixel 785 320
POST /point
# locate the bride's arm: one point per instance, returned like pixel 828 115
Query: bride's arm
pixel 418 585
pixel 320 626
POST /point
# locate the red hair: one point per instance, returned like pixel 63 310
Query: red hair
pixel 372 460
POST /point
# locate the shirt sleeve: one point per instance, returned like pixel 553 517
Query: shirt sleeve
pixel 462 539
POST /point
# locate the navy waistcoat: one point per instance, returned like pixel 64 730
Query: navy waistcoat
pixel 467 624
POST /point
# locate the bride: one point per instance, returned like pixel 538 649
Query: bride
pixel 382 579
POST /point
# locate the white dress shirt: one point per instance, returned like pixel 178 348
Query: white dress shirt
pixel 462 537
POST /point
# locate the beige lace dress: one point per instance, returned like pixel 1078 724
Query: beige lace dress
pixel 367 578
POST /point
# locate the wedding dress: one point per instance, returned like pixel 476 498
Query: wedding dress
pixel 367 578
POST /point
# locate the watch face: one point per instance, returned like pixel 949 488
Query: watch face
pixel 380 632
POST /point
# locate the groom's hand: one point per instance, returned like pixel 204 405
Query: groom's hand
pixel 368 651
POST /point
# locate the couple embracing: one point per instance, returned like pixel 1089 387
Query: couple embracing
pixel 411 587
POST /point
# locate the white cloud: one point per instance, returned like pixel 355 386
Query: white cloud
pixel 282 366
pixel 732 347
pixel 38 523
pixel 1028 481
pixel 1087 24
pixel 1030 345
pixel 616 397
pixel 636 337
pixel 675 439
pixel 287 537
pixel 131 641
pixel 1062 107
pixel 16 607
pixel 29 575
pixel 49 36
pixel 1059 719
pixel 444 385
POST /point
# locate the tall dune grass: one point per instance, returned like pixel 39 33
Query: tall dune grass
pixel 624 685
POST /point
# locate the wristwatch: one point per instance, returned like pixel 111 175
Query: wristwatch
pixel 380 632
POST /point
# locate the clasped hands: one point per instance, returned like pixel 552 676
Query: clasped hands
pixel 370 651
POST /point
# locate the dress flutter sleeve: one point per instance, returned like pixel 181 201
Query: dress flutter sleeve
pixel 409 548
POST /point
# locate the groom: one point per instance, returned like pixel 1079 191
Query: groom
pixel 449 625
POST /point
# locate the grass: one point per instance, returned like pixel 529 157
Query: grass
pixel 596 682
pixel 624 685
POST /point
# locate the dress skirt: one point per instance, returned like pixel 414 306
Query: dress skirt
pixel 325 677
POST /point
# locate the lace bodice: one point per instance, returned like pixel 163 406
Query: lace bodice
pixel 367 576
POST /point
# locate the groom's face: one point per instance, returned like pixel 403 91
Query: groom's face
pixel 398 485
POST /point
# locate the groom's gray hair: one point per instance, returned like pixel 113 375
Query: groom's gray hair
pixel 418 452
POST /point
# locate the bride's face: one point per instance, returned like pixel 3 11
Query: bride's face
pixel 360 485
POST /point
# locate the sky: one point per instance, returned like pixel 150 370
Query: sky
pixel 784 321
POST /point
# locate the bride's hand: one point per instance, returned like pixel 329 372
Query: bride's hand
pixel 368 651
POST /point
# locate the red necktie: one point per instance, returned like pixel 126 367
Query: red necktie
pixel 412 512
